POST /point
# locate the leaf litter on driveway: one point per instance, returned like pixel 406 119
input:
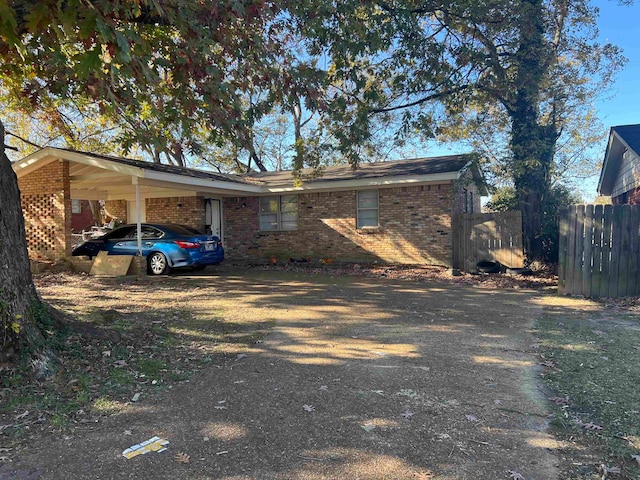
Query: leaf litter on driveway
pixel 449 386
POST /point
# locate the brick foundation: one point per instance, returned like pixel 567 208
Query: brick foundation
pixel 415 228
pixel 46 206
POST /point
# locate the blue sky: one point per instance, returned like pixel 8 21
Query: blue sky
pixel 619 26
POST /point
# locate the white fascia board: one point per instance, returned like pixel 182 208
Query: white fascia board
pixel 49 154
pixel 33 162
pixel 155 193
pixel 194 182
pixel 613 137
pixel 362 183
pixel 102 163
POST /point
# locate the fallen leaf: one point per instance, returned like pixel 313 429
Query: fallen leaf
pixel 324 387
pixel 408 393
pixel 309 408
pixel 106 353
pixel 604 470
pixel 498 402
pixel 136 397
pixel 591 426
pixel 636 458
pixel 241 356
pixel 550 364
pixel 120 363
pixel 599 332
pixel 513 475
pixel 182 458
pixel 22 415
pixel 471 418
pixel 368 427
pixel 128 432
pixel 407 414
pixel 559 400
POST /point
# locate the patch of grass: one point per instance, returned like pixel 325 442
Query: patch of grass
pixel 150 366
pixel 596 368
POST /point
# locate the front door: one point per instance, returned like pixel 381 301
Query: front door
pixel 132 214
pixel 213 217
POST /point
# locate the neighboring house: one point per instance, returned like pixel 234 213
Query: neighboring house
pixel 81 215
pixel 620 176
pixel 396 212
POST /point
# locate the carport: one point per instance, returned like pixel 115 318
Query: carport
pixel 51 178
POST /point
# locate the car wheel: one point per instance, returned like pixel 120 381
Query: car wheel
pixel 157 263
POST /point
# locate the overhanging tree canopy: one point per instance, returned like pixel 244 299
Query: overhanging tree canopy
pixel 524 68
pixel 186 65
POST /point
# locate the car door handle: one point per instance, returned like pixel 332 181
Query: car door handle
pixel 120 244
pixel 148 244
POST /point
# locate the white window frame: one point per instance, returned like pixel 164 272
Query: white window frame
pixel 285 220
pixel 76 206
pixel 359 222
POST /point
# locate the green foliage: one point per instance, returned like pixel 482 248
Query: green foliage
pixel 171 77
pixel 514 79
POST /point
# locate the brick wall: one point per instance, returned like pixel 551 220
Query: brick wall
pixel 182 210
pixel 46 206
pixel 415 228
pixel 116 209
pixel 632 197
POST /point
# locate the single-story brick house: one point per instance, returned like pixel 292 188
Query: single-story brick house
pixel 398 212
pixel 620 175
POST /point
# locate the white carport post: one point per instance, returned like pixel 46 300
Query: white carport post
pixel 138 225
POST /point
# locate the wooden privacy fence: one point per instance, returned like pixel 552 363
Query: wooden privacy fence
pixel 600 251
pixel 487 236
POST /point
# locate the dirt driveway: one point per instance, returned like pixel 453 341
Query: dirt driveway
pixel 359 379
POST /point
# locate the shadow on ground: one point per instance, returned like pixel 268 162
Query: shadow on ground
pixel 358 379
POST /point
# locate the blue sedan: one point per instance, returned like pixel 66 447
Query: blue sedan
pixel 166 246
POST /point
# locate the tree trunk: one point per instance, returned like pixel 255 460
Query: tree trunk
pixel 532 144
pixel 19 303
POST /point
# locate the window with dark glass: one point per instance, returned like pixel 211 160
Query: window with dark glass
pixel 279 212
pixel 368 208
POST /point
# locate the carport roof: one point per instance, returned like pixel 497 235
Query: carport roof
pixel 95 176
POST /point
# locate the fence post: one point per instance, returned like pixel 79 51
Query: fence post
pixel 634 256
pixel 563 228
pixel 616 246
pixel 596 250
pixel 624 250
